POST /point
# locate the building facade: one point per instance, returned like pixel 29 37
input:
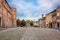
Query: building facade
pixel 40 22
pixel 49 20
pixel 53 19
pixel 58 16
pixel 43 21
pixel 7 15
pixel 36 24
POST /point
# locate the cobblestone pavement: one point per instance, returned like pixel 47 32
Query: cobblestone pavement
pixel 12 34
pixel 30 34
pixel 41 34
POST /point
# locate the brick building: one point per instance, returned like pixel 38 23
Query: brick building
pixel 49 20
pixel 53 19
pixel 40 22
pixel 43 23
pixel 7 15
pixel 58 17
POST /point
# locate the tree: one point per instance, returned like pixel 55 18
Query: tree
pixel 18 22
pixel 31 23
pixel 23 23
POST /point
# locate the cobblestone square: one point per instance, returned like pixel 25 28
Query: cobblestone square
pixel 30 34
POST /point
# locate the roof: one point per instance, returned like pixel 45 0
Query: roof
pixel 8 4
pixel 51 12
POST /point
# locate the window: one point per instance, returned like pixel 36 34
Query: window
pixel 54 14
pixel 58 17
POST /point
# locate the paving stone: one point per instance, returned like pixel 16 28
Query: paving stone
pixel 30 34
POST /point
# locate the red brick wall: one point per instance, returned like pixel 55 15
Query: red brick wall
pixel 7 14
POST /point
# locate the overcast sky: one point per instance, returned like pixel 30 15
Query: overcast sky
pixel 33 9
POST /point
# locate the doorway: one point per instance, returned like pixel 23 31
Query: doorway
pixel 58 24
pixel 0 21
pixel 50 25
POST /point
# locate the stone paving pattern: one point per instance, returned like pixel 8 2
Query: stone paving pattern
pixel 30 34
